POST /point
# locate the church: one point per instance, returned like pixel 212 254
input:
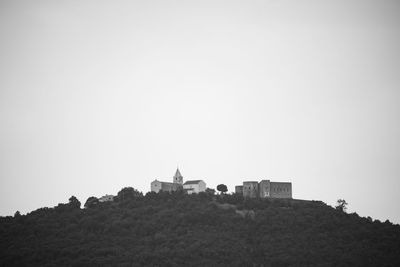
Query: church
pixel 190 187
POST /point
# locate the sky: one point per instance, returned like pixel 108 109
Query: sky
pixel 99 95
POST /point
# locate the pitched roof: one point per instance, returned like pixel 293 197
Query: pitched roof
pixel 177 173
pixel 161 182
pixel 193 182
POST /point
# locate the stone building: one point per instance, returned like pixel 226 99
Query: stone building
pixel 194 186
pixel 106 198
pixel 157 186
pixel 178 178
pixel 239 189
pixel 265 189
pixel 250 189
pixel 280 190
pixel 177 181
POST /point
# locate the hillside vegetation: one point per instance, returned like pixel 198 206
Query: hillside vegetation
pixel 196 230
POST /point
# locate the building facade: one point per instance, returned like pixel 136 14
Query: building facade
pixel 265 189
pixel 195 186
pixel 178 178
pixel 281 190
pixel 177 181
pixel 250 189
pixel 106 198
pixel 157 186
pixel 239 189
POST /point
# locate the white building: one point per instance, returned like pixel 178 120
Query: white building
pixel 194 186
pixel 106 198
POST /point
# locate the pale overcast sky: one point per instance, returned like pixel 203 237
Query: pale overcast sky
pixel 99 95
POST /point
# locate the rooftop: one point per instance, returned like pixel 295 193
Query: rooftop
pixel 178 174
pixel 193 182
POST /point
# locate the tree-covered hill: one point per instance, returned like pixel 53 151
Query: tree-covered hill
pixel 196 230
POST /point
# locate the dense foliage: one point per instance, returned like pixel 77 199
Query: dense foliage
pixel 196 230
pixel 222 188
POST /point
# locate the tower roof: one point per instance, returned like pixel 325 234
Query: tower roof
pixel 178 173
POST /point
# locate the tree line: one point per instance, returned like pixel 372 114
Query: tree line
pixel 176 229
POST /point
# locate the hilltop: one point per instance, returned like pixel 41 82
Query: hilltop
pixel 175 229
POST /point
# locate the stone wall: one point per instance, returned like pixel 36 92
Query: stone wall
pixel 239 189
pixel 157 186
pixel 169 187
pixel 250 189
pixel 264 188
pixel 281 190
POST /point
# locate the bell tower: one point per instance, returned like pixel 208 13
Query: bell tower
pixel 178 178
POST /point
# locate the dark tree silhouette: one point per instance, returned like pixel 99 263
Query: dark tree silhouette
pixel 91 202
pixel 127 193
pixel 222 188
pixel 210 191
pixel 174 229
pixel 74 202
pixel 341 205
